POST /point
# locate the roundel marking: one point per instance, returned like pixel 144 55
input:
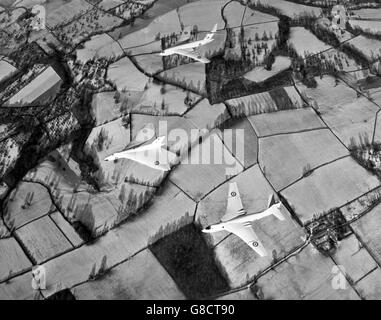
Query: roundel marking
pixel 157 163
pixel 255 244
pixel 233 193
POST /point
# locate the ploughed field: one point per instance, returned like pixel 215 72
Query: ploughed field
pixel 121 230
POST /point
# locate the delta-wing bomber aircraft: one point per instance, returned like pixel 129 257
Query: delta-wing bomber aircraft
pixel 237 221
pixel 190 49
pixel 144 149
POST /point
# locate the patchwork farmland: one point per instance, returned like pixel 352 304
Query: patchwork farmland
pixel 282 104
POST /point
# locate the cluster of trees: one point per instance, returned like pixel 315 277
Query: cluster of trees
pixel 317 3
pixel 133 179
pixel 260 53
pixel 14 32
pixel 367 153
pixel 82 26
pixel 183 83
pixel 155 109
pixel 61 128
pixel 9 225
pixel 131 202
pixel 257 292
pixel 356 54
pixel 307 170
pixel 126 121
pixel 327 229
pixel 102 140
pixel 52 180
pixel 263 38
pixel 124 107
pixel 5 160
pixel 220 121
pixel 170 228
pixel 220 69
pixel 230 41
pixel 83 212
pixel 316 65
pixel 170 41
pixel 28 55
pixel 257 50
pixel 189 100
pixel 356 30
pixel 225 83
pixel 250 50
pixel 66 21
pixel 129 10
pixel 323 63
pixel 28 200
pixel 328 36
pixel 20 82
pixel 257 5
pixel 91 75
pixel 338 58
pixel 72 203
pixel 95 273
pixel 303 72
pixel 372 198
pixel 307 20
pixel 4 232
pixel 357 4
pixel 256 106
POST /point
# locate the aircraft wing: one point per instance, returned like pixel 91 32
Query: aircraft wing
pixel 234 207
pixel 158 158
pixel 159 141
pixel 210 35
pixel 247 234
pixel 145 134
pixel 191 54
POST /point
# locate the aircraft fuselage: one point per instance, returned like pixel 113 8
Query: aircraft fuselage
pixel 244 219
pixel 192 45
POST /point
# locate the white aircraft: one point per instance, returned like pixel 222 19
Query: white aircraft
pixel 147 151
pixel 237 221
pixel 190 49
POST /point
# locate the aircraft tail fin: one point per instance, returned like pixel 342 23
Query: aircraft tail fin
pixel 271 200
pixel 210 35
